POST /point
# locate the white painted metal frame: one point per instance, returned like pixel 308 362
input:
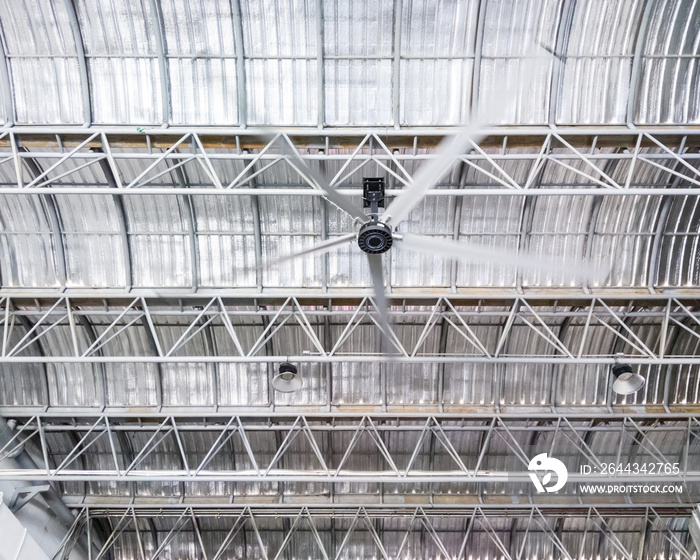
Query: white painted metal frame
pixel 569 440
pixel 544 317
pixel 528 524
pixel 677 144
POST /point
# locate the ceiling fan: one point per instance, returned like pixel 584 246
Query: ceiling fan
pixel 377 233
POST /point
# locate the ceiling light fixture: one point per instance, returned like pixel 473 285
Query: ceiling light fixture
pixel 287 379
pixel 626 381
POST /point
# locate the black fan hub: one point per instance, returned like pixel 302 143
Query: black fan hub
pixel 375 238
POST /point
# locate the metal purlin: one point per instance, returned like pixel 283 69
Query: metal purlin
pixel 82 62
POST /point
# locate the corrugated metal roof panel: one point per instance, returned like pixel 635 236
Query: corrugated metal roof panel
pixel 126 90
pixel 71 384
pixel 303 271
pixel 128 385
pixel 358 92
pixel 669 77
pixel 286 28
pixel 161 260
pixel 558 232
pixel 623 238
pixel 435 217
pixel 348 266
pixel 25 230
pixel 95 252
pixel 47 90
pixel 678 251
pixel 202 91
pixel 35 28
pixel 684 380
pixel 198 28
pixel 23 384
pixel 438 29
pixel 436 91
pixel 117 27
pixel 160 247
pixel 599 56
pixel 359 28
pixel 512 28
pixel 281 92
pixel 436 42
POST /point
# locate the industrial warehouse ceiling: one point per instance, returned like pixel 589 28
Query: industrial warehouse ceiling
pixel 153 174
pixel 328 63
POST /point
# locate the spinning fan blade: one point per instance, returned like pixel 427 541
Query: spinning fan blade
pixel 428 175
pixel 450 148
pixel 323 247
pixel 470 252
pixel 382 304
pixel 332 194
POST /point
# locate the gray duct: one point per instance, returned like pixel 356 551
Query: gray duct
pixel 694 528
pixel 24 460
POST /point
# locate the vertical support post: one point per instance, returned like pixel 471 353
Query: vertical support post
pixel 6 326
pixel 19 170
pixel 73 330
pixel 89 532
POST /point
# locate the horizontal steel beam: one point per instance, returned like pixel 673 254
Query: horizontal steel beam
pixel 405 297
pixel 387 510
pixel 383 477
pixel 295 192
pixel 178 156
pixel 324 421
pixel 339 359
pixel 338 422
pixel 129 131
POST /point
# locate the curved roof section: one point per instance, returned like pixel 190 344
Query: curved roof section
pixel 309 63
pixel 456 386
pixel 203 241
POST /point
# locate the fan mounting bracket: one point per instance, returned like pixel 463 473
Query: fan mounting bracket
pixel 373 193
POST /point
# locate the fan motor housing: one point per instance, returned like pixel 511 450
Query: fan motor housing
pixel 375 238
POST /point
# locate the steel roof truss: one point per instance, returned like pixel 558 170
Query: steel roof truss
pixel 237 526
pixel 81 447
pixel 609 535
pixel 493 535
pixel 553 537
pixel 671 538
pixel 505 429
pixel 536 519
pixel 179 525
pixel 28 339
